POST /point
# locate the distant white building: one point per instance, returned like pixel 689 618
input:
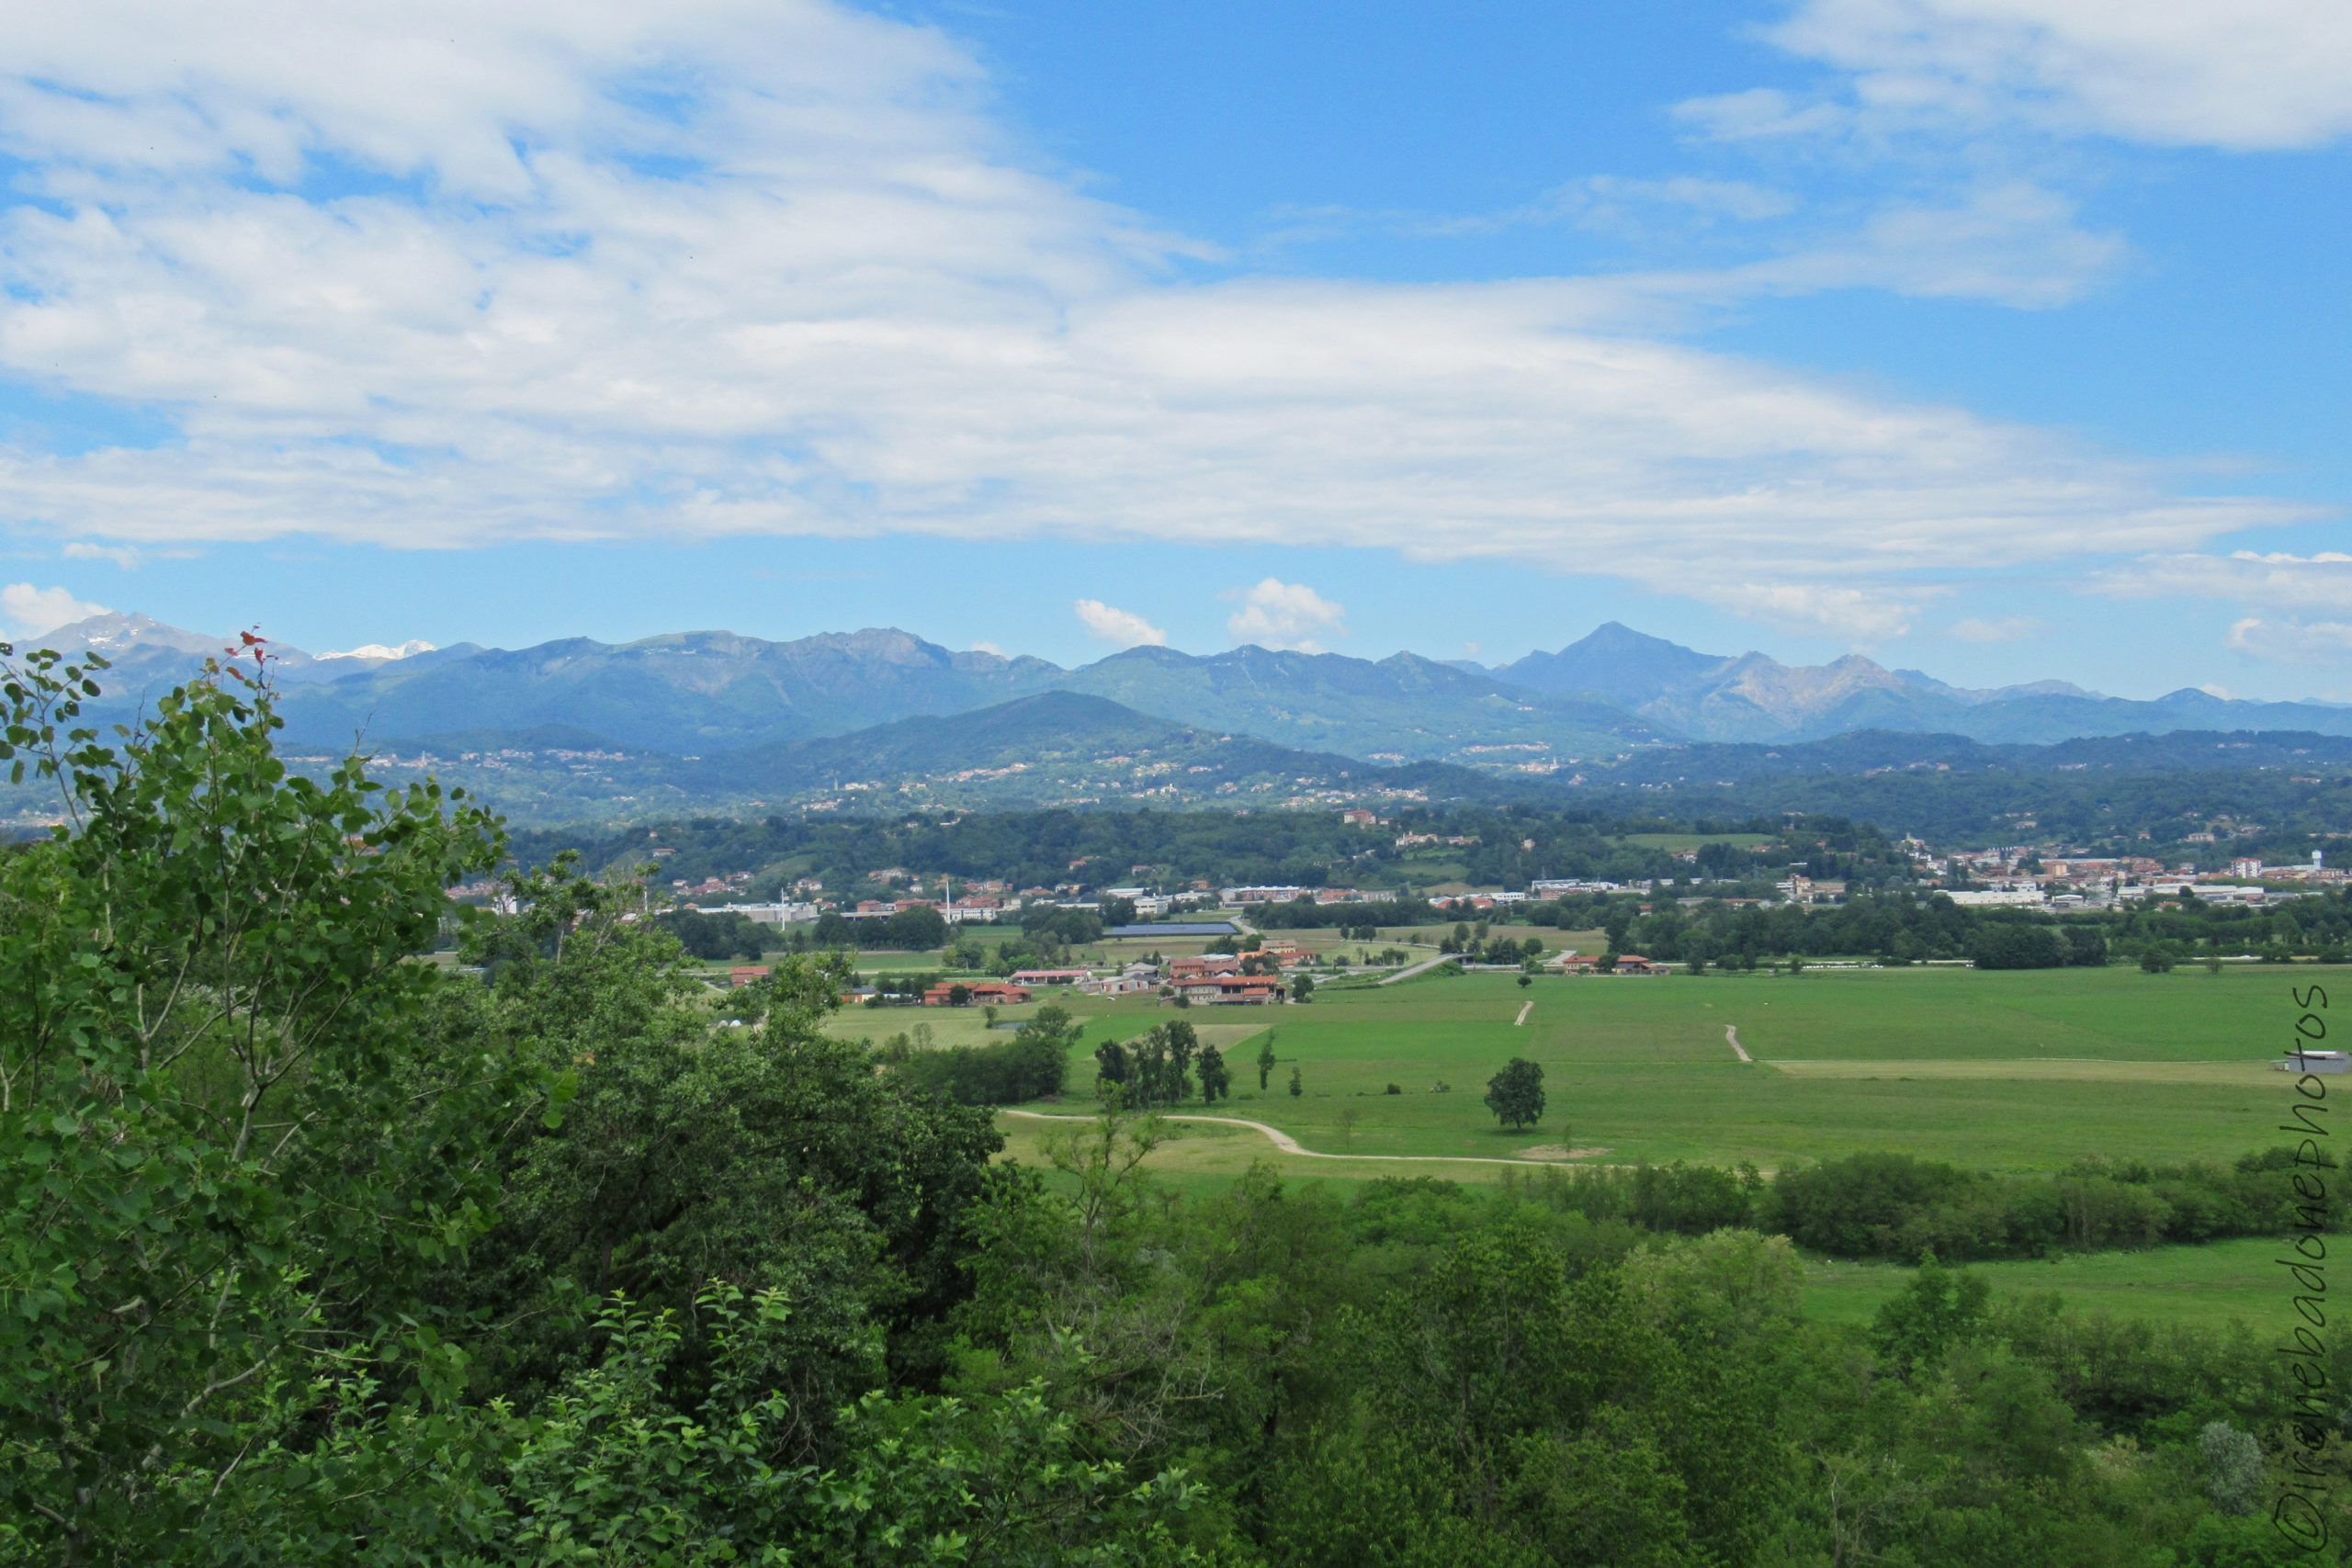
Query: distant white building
pixel 2006 898
pixel 784 913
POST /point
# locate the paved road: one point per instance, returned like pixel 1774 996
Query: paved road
pixel 1291 1146
pixel 1730 1034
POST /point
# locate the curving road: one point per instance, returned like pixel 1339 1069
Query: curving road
pixel 1290 1145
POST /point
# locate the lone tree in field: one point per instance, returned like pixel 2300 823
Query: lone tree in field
pixel 1516 1094
pixel 1265 1060
pixel 1296 1087
pixel 1216 1081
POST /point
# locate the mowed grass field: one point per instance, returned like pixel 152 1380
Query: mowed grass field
pixel 2209 1286
pixel 2002 1071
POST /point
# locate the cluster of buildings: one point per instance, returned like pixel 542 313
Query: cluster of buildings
pixel 1207 979
pixel 2022 877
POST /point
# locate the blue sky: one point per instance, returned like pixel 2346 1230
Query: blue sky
pixel 2005 339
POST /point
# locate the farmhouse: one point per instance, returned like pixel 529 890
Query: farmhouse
pixel 2315 1062
pixel 1034 977
pixel 1134 980
pixel 1202 965
pixel 990 993
pixel 1627 964
pixel 1228 989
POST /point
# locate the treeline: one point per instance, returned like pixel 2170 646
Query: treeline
pixel 1033 1065
pixel 1909 927
pixel 1896 1207
pixel 1512 845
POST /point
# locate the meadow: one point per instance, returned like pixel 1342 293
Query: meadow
pixel 2211 1286
pixel 2006 1071
pixel 2002 1071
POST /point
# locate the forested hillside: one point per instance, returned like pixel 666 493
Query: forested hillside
pixel 316 1252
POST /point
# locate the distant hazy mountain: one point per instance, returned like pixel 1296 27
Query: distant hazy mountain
pixel 1054 745
pixel 1753 697
pixel 1404 707
pixel 1616 663
pixel 702 694
pixel 682 694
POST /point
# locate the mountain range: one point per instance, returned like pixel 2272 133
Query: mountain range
pixel 1613 692
pixel 702 721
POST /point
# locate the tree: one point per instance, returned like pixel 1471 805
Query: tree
pixel 1296 1087
pixel 1265 1060
pixel 1526 980
pixel 959 995
pixel 2232 1467
pixel 235 1138
pixel 1302 987
pixel 1938 1310
pixel 1348 1119
pixel 2157 958
pixel 1516 1094
pixel 1216 1081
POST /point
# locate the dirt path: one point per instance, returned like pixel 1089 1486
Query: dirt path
pixel 1525 1008
pixel 1731 1037
pixel 1290 1145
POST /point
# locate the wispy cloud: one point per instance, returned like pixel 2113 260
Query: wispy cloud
pixel 482 292
pixel 2275 579
pixel 124 555
pixel 2248 75
pixel 1998 628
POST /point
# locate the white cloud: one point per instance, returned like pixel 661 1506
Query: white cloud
pixel 2015 243
pixel 28 612
pixel 1280 616
pixel 1998 628
pixel 2242 74
pixel 2271 580
pixel 1863 616
pixel 1108 622
pixel 989 648
pixel 2302 642
pixel 1612 202
pixel 124 555
pixel 734 266
pixel 1759 112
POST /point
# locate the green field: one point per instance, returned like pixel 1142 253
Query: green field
pixel 2021 1071
pixel 1671 841
pixel 2204 1287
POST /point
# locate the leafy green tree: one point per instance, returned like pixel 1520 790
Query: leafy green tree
pixel 1302 987
pixel 1265 1060
pixel 1216 1082
pixel 227 1164
pixel 1938 1310
pixel 1516 1094
pixel 1297 1087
